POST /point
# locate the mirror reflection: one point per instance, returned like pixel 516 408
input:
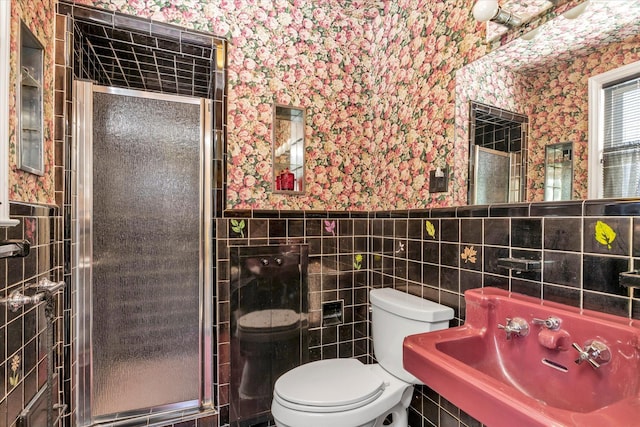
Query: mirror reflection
pixel 29 97
pixel 498 146
pixel 558 174
pixel 288 149
pixel 544 76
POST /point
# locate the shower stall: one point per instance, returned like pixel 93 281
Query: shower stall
pixel 142 191
pixel 144 269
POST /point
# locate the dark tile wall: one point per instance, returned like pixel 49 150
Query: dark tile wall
pixel 338 271
pixel 23 334
pixel 65 173
pixel 440 253
pixel 501 137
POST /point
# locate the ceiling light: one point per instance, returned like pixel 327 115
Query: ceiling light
pixel 576 11
pixel 488 10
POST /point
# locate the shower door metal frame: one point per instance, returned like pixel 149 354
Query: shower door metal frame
pixel 82 163
pixel 477 149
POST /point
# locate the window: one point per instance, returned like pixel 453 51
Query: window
pixel 614 133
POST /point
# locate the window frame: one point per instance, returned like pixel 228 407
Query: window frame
pixel 596 122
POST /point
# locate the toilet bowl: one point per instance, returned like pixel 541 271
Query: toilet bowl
pixel 348 393
pixel 265 336
pixel 344 393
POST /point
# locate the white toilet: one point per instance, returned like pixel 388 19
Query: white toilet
pixel 348 393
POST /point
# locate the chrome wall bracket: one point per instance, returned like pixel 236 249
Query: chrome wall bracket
pixel 17 299
pixel 14 248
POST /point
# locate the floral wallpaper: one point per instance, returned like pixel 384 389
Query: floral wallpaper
pixel 562 39
pixel 39 18
pixel 376 78
pixel 422 45
pixel 558 109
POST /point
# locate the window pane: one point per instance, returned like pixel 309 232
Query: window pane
pixel 621 148
pixel 622 173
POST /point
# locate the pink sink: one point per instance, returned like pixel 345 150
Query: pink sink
pixel 532 380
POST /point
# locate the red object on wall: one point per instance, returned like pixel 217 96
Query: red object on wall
pixel 288 180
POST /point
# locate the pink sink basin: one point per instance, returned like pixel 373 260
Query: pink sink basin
pixel 531 380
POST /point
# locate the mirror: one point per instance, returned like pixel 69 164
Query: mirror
pixel 544 76
pixel 29 97
pixel 288 149
pixel 558 171
pixel 498 146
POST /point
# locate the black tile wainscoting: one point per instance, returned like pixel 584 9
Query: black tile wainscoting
pixel 23 337
pixel 438 254
pixel 338 270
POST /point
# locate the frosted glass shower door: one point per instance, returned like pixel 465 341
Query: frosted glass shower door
pixel 145 204
pixel 491 180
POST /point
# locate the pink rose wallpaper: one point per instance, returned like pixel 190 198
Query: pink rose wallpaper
pixel 558 110
pixel 24 186
pixel 385 86
pixel 377 80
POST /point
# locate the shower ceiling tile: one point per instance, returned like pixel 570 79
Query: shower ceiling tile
pixel 138 54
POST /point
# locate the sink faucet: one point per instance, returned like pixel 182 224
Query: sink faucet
pixel 517 326
pixel 550 322
pixel 594 352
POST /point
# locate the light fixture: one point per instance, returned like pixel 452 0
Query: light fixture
pixel 488 10
pixel 576 11
pixel 531 34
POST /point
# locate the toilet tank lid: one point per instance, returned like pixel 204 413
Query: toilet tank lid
pixel 409 306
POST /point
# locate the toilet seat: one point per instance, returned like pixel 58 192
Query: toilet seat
pixel 331 385
pixel 268 325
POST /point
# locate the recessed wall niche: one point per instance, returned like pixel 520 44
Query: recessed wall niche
pixel 30 103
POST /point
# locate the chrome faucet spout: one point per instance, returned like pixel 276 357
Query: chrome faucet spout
pixel 550 322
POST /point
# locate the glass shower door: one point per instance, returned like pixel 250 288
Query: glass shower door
pixel 492 179
pixel 144 232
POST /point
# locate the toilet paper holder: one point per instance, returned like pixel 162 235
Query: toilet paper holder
pixel 332 313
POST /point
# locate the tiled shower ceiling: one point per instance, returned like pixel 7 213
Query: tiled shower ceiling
pixel 121 51
pixel 496 116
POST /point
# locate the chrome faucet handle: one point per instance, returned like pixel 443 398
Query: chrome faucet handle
pixel 594 352
pixel 517 326
pixel 17 299
pixel 550 322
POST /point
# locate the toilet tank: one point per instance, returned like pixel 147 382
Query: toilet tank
pixel 394 315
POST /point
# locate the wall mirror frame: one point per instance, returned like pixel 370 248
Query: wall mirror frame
pixel 288 149
pixel 30 103
pixel 561 45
